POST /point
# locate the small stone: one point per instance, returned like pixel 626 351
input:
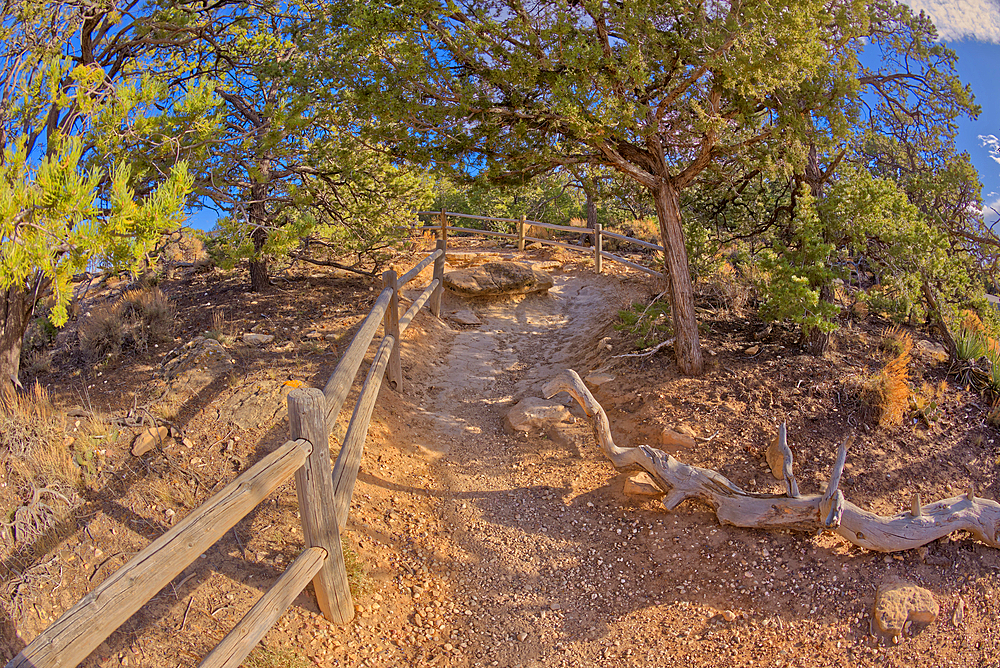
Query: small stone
pixel 641 484
pixel 728 615
pixel 674 439
pixel 751 351
pixel 898 601
pixel 522 636
pixel 149 439
pixel 959 614
pixel 254 339
pixel 314 335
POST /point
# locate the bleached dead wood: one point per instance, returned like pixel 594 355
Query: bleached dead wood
pixel 829 511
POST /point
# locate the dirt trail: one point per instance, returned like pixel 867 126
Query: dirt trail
pixel 520 525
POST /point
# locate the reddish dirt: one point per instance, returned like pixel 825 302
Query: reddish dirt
pixel 478 548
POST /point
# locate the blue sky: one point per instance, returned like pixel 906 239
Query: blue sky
pixel 972 29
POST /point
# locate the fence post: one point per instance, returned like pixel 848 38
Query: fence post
pixel 314 488
pixel 520 234
pixel 390 323
pixel 443 216
pixel 597 247
pixel 435 301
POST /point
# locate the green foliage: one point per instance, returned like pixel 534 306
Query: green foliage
pixel 51 222
pixel 797 269
pixel 650 323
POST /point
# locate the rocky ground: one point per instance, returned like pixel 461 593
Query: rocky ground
pixel 476 545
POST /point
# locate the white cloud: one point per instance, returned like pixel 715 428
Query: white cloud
pixel 991 207
pixel 958 19
pixel 994 146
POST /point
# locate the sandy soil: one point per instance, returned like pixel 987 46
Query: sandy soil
pixel 480 548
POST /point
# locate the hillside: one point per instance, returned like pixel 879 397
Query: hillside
pixel 473 546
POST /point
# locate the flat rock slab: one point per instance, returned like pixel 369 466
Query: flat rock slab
pixel 494 279
pixel 465 317
pixel 254 339
pixel 534 413
pixel 256 405
pixel 196 365
pixel 898 601
pixel 676 439
pixel 596 378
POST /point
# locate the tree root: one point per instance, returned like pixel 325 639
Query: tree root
pixel 829 511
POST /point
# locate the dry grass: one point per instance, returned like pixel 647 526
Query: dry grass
pixel 264 657
pixel 45 461
pixel 139 319
pixel 885 395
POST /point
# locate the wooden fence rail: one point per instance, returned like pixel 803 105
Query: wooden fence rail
pixel 324 498
pixel 597 233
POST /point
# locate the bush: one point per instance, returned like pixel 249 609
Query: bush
pixel 139 319
pixel 650 324
pixel 644 230
pixel 885 395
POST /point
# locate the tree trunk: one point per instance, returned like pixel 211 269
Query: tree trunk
pixel 935 316
pixel 687 348
pixel 591 212
pixel 818 341
pixel 259 280
pixel 16 311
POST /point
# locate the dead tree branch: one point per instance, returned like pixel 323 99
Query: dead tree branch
pixel 829 511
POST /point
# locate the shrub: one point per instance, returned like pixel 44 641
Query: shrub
pixel 650 324
pixel 644 230
pixel 139 319
pixel 885 395
pixel 970 338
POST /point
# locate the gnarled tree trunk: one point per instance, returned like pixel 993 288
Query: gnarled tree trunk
pixel 687 348
pixel 18 305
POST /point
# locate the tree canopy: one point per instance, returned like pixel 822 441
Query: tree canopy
pixel 659 91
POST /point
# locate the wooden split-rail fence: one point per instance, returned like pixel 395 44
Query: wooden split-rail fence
pixel 597 234
pixel 324 499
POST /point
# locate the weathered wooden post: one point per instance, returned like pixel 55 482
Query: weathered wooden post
pixel 520 234
pixel 435 301
pixel 443 220
pixel 597 247
pixel 390 323
pixel 314 488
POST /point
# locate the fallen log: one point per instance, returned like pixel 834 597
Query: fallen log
pixel 829 511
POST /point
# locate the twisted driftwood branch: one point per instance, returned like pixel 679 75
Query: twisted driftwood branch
pixel 829 511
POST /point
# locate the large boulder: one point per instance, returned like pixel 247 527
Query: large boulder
pixel 197 364
pixel 497 278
